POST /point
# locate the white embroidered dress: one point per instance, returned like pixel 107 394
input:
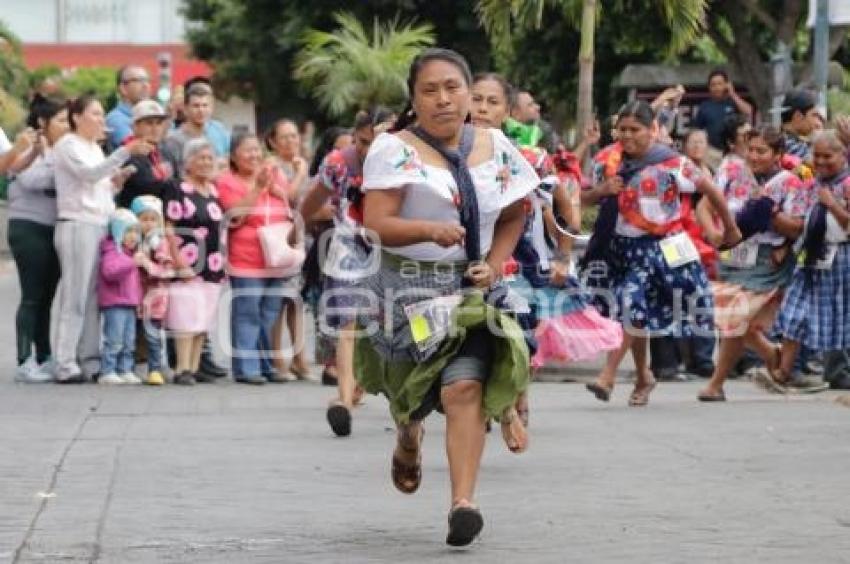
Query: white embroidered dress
pixel 430 192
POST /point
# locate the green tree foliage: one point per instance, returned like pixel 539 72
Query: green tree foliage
pixel 97 80
pixel 538 41
pixel 253 43
pixel 747 33
pixel 14 78
pixel 350 69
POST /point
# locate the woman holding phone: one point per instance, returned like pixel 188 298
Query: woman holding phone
pixel 86 182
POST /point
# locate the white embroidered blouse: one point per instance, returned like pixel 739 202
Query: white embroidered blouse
pixel 430 192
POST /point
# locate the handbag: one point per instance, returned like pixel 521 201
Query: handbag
pixel 277 252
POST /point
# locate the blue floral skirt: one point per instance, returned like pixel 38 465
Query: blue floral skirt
pixel 637 287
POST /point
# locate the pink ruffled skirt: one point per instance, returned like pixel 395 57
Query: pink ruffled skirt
pixel 576 336
pixel 192 306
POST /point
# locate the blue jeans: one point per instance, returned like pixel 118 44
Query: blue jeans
pixel 152 329
pixel 254 309
pixel 119 340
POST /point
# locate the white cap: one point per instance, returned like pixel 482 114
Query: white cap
pixel 148 109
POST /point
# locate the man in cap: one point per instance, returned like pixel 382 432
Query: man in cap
pixel 800 118
pixel 155 174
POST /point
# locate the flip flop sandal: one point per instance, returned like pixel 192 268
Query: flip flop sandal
pixel 339 418
pixel 523 413
pixel 706 397
pixel 406 477
pixel 601 392
pixel 301 374
pixel 328 379
pixel 506 424
pixel 640 397
pixel 465 523
pixel 767 380
pixel 523 416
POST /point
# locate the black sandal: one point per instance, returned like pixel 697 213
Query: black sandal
pixel 601 392
pixel 465 523
pixel 407 477
pixel 328 379
pixel 339 418
pixel 709 397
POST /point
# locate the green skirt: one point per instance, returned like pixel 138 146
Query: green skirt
pixel 406 384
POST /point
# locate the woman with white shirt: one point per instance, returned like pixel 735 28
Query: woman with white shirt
pixel 85 184
pixel 446 200
pixel 32 217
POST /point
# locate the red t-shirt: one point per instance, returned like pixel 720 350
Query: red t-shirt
pixel 244 252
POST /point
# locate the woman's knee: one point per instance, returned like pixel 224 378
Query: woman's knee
pixel 461 393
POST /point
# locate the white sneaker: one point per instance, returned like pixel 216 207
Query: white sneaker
pixel 111 380
pixel 130 378
pixel 48 366
pixel 30 373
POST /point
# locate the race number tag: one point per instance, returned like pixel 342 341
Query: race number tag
pixel 744 255
pixel 430 320
pixel 679 250
pixel 828 258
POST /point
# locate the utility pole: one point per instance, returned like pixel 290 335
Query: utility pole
pixel 821 54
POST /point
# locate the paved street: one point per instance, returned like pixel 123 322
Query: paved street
pixel 234 474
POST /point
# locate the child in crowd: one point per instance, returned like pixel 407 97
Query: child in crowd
pixel 157 267
pixel 119 293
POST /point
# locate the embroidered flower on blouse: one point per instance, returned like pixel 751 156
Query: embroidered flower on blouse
pixel 409 162
pixel 189 208
pixel 214 211
pixel 174 210
pixel 215 262
pixel 201 233
pixel 189 253
pixel 507 169
pixel 648 186
pixel 670 194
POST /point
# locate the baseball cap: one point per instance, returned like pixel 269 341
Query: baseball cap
pixel 148 109
pixel 798 100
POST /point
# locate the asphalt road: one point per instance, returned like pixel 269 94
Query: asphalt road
pixel 226 473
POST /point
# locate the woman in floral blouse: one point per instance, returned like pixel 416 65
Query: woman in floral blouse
pixel 752 276
pixel 646 270
pixel 338 181
pixel 194 216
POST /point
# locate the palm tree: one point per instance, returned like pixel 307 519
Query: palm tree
pixel 684 18
pixel 348 69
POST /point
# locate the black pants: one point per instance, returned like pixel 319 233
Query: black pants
pixel 38 273
pixel 667 353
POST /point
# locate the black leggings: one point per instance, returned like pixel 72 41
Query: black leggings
pixel 38 272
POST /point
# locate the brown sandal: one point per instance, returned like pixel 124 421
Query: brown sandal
pixel 640 395
pixel 522 408
pixel 406 477
pixel 515 439
pixel 773 381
